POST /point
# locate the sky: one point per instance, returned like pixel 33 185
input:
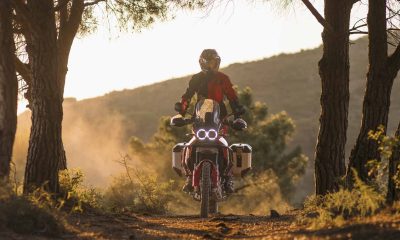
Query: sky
pixel 245 31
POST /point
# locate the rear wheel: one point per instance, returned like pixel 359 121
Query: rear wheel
pixel 205 186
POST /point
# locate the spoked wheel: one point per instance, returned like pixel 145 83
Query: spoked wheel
pixel 205 186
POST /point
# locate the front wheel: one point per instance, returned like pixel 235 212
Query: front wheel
pixel 205 186
pixel 213 207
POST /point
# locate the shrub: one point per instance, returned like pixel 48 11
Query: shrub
pixel 378 169
pixel 141 194
pixel 146 195
pixel 76 196
pixel 335 208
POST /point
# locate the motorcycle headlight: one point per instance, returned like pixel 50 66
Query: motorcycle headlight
pixel 201 134
pixel 211 134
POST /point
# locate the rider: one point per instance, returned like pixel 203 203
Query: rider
pixel 212 84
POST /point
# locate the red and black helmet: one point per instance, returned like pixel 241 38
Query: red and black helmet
pixel 206 58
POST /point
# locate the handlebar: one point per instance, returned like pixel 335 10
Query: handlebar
pixel 188 120
pixel 224 120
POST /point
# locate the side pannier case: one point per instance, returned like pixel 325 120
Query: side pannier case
pixel 177 154
pixel 241 158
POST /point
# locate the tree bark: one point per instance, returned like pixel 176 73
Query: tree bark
pixel 377 94
pixel 8 89
pixel 393 193
pixel 334 73
pixel 46 153
pixel 69 25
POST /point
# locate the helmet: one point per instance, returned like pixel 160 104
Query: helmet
pixel 239 124
pixel 206 58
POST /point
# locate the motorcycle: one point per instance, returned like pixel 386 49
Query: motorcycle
pixel 209 150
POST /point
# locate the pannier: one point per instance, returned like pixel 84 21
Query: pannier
pixel 241 159
pixel 177 154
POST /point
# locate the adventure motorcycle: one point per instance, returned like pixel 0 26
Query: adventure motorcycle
pixel 208 151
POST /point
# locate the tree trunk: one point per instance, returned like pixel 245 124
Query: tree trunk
pixel 69 25
pixel 393 193
pixel 377 94
pixel 8 89
pixel 46 153
pixel 334 72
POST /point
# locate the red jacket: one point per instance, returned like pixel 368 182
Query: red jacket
pixel 210 85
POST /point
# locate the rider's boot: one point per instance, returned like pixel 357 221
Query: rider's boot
pixel 188 184
pixel 228 184
pixel 227 176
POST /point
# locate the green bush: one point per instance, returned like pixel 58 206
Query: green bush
pixel 148 196
pixel 378 169
pixel 334 208
pixel 76 196
pixel 138 192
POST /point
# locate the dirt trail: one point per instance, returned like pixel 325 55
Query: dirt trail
pixel 183 227
pixel 130 227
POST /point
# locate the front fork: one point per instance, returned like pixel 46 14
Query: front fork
pixel 216 189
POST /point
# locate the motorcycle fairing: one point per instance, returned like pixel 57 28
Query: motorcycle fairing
pixel 194 143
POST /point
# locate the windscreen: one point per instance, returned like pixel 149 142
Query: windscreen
pixel 207 113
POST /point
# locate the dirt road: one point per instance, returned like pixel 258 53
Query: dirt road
pixel 130 227
pixel 187 227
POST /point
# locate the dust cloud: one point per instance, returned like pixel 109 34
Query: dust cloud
pixel 93 139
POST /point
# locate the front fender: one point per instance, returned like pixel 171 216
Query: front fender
pixel 197 174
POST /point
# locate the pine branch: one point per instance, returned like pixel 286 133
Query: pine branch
pixel 94 2
pixel 23 69
pixel 318 16
pixel 394 61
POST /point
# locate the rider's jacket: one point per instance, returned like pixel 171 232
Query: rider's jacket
pixel 210 85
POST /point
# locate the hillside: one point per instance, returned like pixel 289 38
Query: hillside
pixel 287 82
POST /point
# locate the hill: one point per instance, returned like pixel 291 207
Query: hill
pixel 98 128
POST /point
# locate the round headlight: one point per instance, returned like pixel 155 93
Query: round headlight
pixel 212 134
pixel 201 134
